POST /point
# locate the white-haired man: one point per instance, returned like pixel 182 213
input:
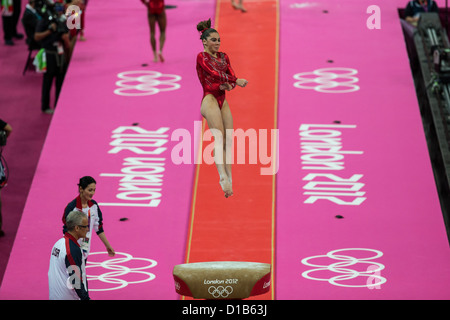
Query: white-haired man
pixel 67 271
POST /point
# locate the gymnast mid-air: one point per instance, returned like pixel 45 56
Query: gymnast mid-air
pixel 216 75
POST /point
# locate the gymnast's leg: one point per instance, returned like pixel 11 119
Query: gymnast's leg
pixel 227 150
pixel 162 23
pixel 211 112
pixel 152 24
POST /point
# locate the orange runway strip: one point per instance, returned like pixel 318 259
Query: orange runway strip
pixel 241 228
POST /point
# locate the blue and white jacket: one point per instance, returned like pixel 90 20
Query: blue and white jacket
pixel 95 218
pixel 67 271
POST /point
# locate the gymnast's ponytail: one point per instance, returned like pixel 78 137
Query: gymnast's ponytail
pixel 204 27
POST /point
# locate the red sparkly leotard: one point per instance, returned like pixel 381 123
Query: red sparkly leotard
pixel 212 72
pixel 154 6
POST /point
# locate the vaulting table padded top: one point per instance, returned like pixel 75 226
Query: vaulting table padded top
pixel 222 279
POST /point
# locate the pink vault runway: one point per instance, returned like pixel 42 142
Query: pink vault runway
pixel 358 215
pixel 357 212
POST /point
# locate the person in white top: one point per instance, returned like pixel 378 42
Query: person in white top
pixel 67 270
pixel 84 202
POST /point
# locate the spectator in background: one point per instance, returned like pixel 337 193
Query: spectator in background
pixel 6 131
pixel 30 20
pixel 416 7
pixel 56 44
pixel 10 11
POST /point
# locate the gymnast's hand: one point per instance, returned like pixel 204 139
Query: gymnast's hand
pixel 241 82
pixel 225 86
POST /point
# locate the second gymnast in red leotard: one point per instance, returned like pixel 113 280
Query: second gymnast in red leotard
pixel 216 75
pixel 156 13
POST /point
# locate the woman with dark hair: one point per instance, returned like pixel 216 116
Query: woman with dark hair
pixel 216 75
pixel 156 13
pixel 84 202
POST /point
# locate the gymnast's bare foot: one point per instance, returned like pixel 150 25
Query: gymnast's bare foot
pixel 226 187
pixel 231 187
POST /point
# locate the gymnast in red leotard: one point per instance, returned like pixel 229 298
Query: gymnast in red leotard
pixel 216 75
pixel 212 72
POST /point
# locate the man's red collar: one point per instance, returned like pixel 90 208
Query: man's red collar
pixel 71 237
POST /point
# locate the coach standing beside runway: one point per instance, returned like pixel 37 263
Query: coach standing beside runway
pixel 84 202
pixel 67 265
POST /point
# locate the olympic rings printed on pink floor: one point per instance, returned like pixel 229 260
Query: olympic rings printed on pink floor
pixel 145 82
pixel 119 270
pixel 328 80
pixel 341 267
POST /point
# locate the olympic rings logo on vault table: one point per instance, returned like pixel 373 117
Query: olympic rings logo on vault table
pixel 143 83
pixel 372 272
pixel 220 291
pixel 117 277
pixel 328 80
